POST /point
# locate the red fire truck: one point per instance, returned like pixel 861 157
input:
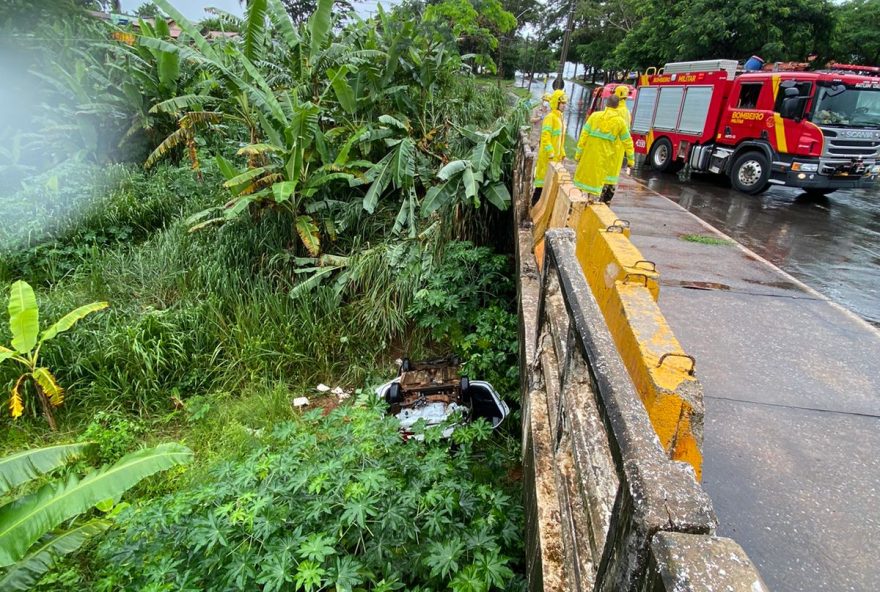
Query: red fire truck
pixel 819 131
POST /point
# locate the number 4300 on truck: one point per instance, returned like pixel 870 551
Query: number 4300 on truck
pixel 819 131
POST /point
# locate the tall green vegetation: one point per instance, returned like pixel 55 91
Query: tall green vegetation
pixel 291 212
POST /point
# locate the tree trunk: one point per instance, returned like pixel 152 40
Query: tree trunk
pixel 47 408
pixel 593 68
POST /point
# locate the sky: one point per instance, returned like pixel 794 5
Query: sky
pixel 194 10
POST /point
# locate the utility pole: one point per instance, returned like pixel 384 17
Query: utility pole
pixel 560 82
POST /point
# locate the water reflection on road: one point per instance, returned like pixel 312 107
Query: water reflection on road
pixel 831 244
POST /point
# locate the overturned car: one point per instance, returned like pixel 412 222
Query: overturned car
pixel 435 392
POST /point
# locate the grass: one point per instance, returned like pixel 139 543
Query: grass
pixel 704 239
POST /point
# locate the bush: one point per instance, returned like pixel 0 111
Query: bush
pixel 469 302
pixel 113 437
pixel 335 501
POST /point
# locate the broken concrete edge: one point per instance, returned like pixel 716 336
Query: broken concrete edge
pixel 697 563
pixel 665 493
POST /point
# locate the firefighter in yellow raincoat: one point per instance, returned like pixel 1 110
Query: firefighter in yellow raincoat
pixel 552 148
pixel 623 92
pixel 603 142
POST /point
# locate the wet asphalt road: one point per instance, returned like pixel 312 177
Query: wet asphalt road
pixel 831 244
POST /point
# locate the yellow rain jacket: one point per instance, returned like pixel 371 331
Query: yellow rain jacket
pixel 623 92
pixel 604 140
pixel 552 146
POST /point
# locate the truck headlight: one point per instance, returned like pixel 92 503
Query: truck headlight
pixel 805 167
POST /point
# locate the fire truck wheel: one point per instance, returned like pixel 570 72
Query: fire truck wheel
pixel 661 157
pixel 750 173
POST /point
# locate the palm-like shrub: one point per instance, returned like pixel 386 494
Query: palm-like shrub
pixel 29 542
pixel 24 325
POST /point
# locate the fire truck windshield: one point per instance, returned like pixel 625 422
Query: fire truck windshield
pixel 854 107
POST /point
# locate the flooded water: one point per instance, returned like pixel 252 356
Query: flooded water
pixel 831 244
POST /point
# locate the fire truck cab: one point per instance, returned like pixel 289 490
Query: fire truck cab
pixel 601 93
pixel 819 131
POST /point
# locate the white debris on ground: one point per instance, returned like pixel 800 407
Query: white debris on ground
pixel 300 402
pixel 322 388
pixel 340 393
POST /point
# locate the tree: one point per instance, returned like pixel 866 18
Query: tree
pixel 147 10
pixel 857 33
pixel 301 10
pixel 734 29
pixel 474 24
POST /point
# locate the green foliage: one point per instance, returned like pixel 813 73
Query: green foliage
pixel 29 545
pixel 857 34
pixel 317 146
pixel 25 347
pixel 773 29
pixel 705 239
pixel 338 501
pixel 27 465
pixel 70 215
pixel 468 303
pixel 112 436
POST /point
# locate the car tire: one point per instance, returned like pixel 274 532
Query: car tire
pixel 661 157
pixel 405 366
pixel 750 173
pixel 394 395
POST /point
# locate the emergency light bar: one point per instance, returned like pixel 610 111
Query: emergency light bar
pixel 728 66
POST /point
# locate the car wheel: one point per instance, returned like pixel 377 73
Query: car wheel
pixel 661 157
pixel 393 395
pixel 750 173
pixel 405 366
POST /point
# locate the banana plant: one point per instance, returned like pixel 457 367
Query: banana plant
pixel 24 325
pixel 30 540
pixel 481 174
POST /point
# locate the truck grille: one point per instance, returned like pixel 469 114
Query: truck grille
pixel 851 143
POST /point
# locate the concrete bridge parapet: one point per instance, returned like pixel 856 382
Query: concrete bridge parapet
pixel 608 507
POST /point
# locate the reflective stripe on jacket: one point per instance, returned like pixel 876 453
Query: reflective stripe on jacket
pixel 604 140
pixel 552 147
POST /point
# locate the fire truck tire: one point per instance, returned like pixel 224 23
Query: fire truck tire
pixel 661 157
pixel 750 173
